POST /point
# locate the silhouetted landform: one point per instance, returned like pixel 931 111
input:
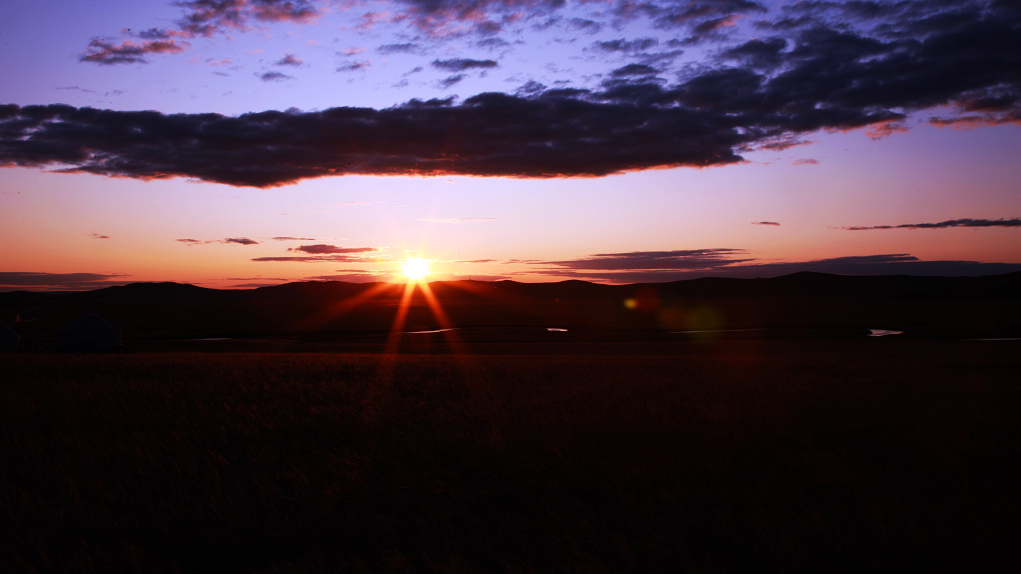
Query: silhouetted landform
pixel 89 333
pixel 801 305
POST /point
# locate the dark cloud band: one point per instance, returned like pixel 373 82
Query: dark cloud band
pixel 762 94
pixel 553 135
pixel 645 266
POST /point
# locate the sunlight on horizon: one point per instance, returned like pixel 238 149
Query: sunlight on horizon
pixel 415 269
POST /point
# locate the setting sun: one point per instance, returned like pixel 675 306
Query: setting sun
pixel 416 269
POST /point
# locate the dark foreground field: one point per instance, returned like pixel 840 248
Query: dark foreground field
pixel 862 455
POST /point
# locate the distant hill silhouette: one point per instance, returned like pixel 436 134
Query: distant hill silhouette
pixel 799 303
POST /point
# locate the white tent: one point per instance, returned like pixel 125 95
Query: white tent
pixel 8 338
pixel 89 333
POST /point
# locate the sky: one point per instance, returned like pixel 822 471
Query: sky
pixel 243 143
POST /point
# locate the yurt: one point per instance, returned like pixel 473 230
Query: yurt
pixel 89 334
pixel 8 338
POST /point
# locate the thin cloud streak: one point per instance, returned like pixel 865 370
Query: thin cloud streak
pixel 314 259
pixel 655 260
pixel 12 280
pixel 321 249
pixel 887 264
pixel 229 240
pixel 1015 222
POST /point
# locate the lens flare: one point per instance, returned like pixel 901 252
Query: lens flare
pixel 415 269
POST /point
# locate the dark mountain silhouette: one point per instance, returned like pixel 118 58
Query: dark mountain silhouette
pixel 167 291
pixel 988 306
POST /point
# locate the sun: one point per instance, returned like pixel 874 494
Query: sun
pixel 415 269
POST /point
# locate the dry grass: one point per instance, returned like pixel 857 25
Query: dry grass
pixel 784 455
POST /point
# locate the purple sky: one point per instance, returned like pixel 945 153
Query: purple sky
pixel 235 143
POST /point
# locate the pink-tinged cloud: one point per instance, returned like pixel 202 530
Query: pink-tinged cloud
pixel 207 17
pixel 354 66
pixel 203 19
pixel 765 223
pixel 241 241
pixel 1015 222
pixel 885 129
pixel 298 11
pixel 99 236
pixel 805 161
pixel 292 238
pixel 321 249
pixel 128 51
pixel 315 259
pixel 290 60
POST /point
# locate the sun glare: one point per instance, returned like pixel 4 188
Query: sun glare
pixel 416 269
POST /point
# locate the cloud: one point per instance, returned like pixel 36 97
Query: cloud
pixel 314 259
pixel 289 60
pixel 462 64
pixel 885 129
pixel 284 10
pixel 693 264
pixel 1015 222
pixel 451 80
pixel 128 51
pixel 351 276
pixel 99 236
pixel 627 46
pixel 634 70
pixel 290 239
pixel 325 253
pixel 872 68
pixel 274 76
pixel 759 53
pixel 202 19
pixel 765 223
pixel 12 280
pixel 403 48
pixel 354 66
pixel 655 260
pixel 531 87
pixel 208 17
pixel 229 240
pixel 321 248
pixel 805 161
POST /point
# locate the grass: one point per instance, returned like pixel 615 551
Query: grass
pixel 765 455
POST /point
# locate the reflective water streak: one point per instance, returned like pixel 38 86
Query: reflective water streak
pixel 883 332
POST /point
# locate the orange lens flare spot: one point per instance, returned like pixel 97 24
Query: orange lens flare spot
pixel 415 269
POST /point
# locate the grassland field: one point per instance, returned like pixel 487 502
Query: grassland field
pixel 873 455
